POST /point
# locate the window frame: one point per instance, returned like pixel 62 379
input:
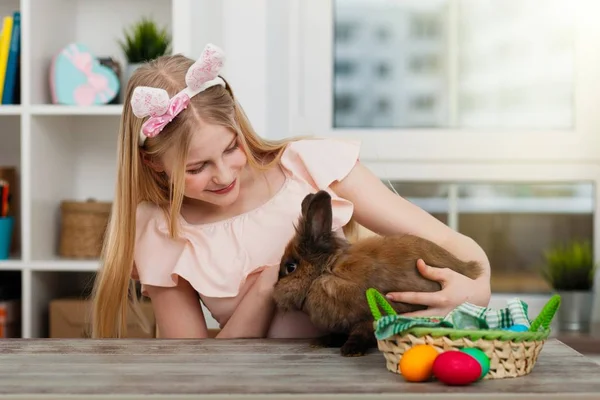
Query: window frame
pixel 312 54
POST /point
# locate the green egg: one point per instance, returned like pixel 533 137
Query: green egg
pixel 481 357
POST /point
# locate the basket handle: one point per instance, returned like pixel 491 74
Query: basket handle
pixel 545 316
pixel 377 300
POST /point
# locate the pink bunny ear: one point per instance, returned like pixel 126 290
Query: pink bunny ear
pixel 206 68
pixel 149 101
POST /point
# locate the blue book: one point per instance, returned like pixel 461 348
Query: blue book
pixel 10 81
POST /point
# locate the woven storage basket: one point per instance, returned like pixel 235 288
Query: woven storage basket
pixel 511 354
pixel 83 225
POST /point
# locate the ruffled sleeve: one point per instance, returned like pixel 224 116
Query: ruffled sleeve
pixel 156 254
pixel 321 162
pixel 203 256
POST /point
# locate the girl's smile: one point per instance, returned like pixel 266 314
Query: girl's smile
pixel 226 189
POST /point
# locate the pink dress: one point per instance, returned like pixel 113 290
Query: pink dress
pixel 220 260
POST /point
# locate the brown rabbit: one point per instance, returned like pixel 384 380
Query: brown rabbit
pixel 327 277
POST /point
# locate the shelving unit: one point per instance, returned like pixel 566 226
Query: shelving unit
pixel 64 152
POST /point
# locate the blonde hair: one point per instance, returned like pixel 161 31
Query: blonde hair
pixel 114 289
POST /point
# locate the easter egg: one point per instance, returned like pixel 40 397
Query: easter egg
pixel 517 328
pixel 416 364
pixel 481 357
pixel 456 368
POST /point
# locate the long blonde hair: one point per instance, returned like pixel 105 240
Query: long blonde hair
pixel 114 289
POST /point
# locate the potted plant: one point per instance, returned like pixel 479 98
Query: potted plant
pixel 569 269
pixel 143 42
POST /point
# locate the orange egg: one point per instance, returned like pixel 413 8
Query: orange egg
pixel 416 364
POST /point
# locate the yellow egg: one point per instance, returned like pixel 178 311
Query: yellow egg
pixel 416 363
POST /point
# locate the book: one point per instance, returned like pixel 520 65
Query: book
pixel 7 24
pixel 13 64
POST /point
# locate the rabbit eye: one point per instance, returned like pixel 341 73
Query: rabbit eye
pixel 290 267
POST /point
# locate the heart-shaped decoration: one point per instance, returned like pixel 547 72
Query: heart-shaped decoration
pixel 78 78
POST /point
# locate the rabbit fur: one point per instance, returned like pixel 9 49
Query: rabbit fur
pixel 325 276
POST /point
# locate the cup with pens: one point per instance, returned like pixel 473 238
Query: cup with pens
pixel 6 221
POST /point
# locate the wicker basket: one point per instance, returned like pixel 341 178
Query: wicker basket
pixel 511 354
pixel 83 225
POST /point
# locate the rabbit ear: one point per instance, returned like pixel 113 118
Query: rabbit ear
pixel 306 202
pixel 318 218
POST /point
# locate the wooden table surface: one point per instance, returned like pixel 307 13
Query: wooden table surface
pixel 254 369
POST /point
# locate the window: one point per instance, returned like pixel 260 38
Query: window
pixel 480 87
pixel 422 64
pixel 422 103
pixel 431 196
pixel 346 103
pixel 383 33
pixel 383 70
pixel 383 105
pixel 345 31
pixel 344 68
pixel 424 25
pixel 513 222
pixel 485 57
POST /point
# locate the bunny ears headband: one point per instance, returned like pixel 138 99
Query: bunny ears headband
pixel 155 102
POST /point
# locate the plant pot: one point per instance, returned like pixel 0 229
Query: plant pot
pixel 575 311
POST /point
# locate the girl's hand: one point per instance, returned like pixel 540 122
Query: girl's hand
pixel 267 279
pixel 253 315
pixel 456 289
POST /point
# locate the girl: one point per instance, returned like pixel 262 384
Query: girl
pixel 204 208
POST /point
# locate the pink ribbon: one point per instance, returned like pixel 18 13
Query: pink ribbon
pixel 155 103
pixel 154 125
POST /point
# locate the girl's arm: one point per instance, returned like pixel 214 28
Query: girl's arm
pixel 380 210
pixel 252 318
pixel 178 311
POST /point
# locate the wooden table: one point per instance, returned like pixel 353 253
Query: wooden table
pixel 254 369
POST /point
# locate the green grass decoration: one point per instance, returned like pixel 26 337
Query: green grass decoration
pixel 544 318
pixel 376 300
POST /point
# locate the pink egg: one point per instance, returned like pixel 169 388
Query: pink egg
pixel 456 368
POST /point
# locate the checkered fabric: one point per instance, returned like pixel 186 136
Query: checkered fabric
pixel 465 316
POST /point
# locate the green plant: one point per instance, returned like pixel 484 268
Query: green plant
pixel 570 266
pixel 145 41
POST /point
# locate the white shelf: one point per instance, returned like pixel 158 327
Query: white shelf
pixel 11 265
pixel 50 265
pixel 63 265
pixel 10 110
pixel 63 110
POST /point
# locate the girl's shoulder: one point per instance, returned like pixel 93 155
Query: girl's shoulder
pixel 320 161
pixel 150 218
pixel 146 211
